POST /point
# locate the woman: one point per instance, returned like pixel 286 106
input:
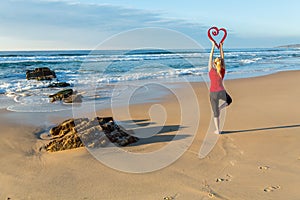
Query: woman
pixel 216 70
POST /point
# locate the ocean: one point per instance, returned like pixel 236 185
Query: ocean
pixel 95 73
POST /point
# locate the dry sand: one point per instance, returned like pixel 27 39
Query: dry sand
pixel 258 157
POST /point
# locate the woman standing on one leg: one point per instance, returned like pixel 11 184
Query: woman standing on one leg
pixel 216 68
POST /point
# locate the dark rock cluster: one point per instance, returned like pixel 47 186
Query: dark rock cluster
pixel 59 84
pixel 67 96
pixel 43 73
pixel 98 132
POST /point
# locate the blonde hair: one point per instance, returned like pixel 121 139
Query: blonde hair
pixel 219 63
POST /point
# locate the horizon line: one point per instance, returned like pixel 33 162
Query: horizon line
pixel 123 49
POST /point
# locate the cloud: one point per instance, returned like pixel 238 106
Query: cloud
pixel 62 25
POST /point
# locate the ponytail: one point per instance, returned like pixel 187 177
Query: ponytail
pixel 219 67
pixel 219 64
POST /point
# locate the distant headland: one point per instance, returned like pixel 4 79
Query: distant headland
pixel 289 46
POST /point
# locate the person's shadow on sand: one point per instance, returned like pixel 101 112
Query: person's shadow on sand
pixel 261 129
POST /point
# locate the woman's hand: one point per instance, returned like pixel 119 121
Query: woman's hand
pixel 213 43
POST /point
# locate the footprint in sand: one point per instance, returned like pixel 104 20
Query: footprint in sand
pixel 264 167
pixel 211 195
pixel 228 176
pixel 272 188
pixel 221 180
pixel 170 197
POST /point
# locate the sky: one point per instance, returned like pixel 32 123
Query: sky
pixel 84 24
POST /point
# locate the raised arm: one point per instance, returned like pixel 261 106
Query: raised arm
pixel 210 62
pixel 222 54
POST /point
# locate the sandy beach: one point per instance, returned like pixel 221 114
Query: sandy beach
pixel 257 156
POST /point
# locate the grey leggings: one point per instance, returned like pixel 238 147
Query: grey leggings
pixel 214 100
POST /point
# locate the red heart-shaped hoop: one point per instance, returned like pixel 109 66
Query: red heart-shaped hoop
pixel 215 31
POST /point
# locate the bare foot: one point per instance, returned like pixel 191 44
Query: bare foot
pixel 217 132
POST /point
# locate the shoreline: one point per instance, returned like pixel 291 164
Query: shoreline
pixel 176 82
